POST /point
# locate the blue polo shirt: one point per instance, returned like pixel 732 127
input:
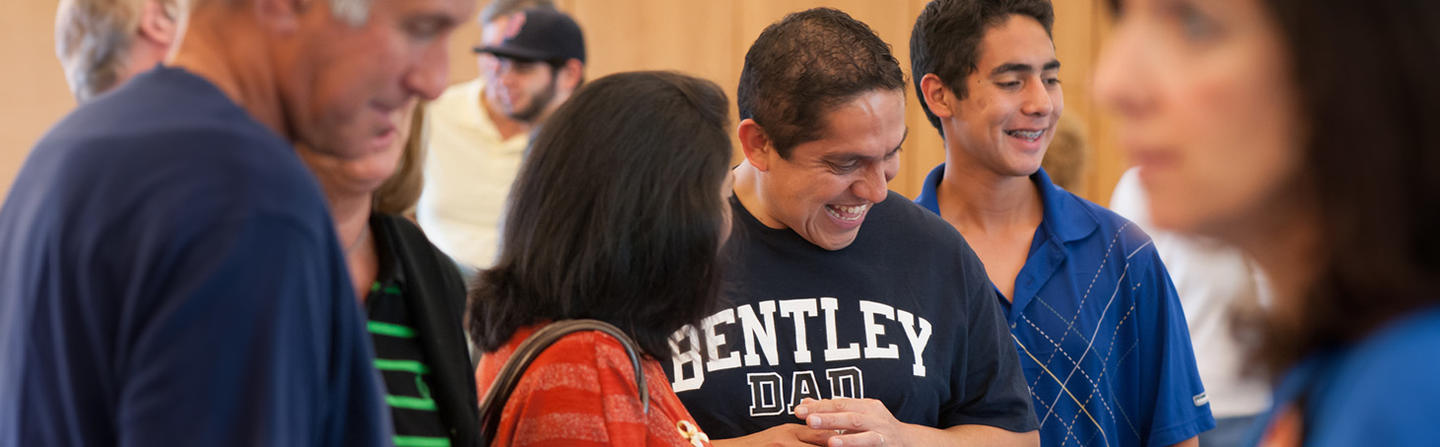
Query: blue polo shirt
pixel 1100 332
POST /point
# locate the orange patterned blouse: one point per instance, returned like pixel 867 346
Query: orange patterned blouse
pixel 581 392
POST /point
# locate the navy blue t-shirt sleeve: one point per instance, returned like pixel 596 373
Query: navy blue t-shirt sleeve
pixel 1179 407
pixel 251 343
pixel 991 386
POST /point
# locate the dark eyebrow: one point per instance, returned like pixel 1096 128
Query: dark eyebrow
pixel 1011 68
pixel 903 137
pixel 1023 68
pixel 853 157
pixel 436 20
pixel 844 158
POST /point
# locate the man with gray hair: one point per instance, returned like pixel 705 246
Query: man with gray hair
pixel 172 276
pixel 102 43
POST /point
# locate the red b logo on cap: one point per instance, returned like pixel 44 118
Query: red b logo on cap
pixel 513 25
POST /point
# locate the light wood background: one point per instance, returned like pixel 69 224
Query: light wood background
pixel 705 38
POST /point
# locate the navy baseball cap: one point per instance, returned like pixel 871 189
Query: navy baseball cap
pixel 540 35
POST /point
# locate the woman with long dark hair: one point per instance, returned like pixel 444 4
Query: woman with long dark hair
pixel 1308 133
pixel 618 215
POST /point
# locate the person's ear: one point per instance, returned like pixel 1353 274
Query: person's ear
pixel 157 24
pixel 281 15
pixel 570 74
pixel 937 96
pixel 756 144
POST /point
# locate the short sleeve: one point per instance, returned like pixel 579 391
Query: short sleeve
pixel 991 386
pixel 1173 392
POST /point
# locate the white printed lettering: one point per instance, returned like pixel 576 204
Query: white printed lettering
pixel 832 350
pixel 754 330
pixel 714 342
pixel 798 310
pixel 917 340
pixel 873 330
pixel 803 385
pixel 846 382
pixel 689 356
pixel 765 398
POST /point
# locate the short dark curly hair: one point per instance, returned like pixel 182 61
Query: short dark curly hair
pixel 806 64
pixel 947 35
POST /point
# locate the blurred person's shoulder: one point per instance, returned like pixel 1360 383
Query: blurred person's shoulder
pixel 464 93
pixel 1406 346
pixel 458 103
pixel 172 137
pixel 1382 390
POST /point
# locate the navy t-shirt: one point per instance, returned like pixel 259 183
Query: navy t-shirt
pixel 904 315
pixel 171 277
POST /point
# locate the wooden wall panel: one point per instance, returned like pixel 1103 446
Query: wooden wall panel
pixel 699 37
pixel 694 37
pixel 33 94
pixel 1075 49
pixel 709 39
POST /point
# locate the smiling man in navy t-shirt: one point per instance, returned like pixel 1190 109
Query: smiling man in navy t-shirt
pixel 842 292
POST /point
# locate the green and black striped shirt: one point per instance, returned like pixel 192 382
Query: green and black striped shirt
pixel 401 361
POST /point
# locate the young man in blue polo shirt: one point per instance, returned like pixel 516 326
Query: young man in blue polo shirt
pixel 1100 332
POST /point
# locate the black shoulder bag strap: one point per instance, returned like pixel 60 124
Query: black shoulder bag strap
pixel 510 374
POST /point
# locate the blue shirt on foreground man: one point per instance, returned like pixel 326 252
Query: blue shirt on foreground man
pixel 171 274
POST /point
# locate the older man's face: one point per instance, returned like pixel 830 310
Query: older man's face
pixel 342 85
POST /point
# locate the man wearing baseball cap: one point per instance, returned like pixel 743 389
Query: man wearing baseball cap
pixel 531 61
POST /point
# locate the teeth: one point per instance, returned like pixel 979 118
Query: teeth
pixel 851 213
pixel 1028 135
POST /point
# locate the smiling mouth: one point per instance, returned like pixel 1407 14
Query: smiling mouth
pixel 1027 135
pixel 385 132
pixel 847 213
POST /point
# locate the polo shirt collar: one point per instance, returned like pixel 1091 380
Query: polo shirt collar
pixel 1064 218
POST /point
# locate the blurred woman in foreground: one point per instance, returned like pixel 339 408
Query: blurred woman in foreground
pixel 1308 133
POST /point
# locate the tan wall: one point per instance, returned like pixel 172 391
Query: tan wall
pixel 33 95
pixel 701 37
